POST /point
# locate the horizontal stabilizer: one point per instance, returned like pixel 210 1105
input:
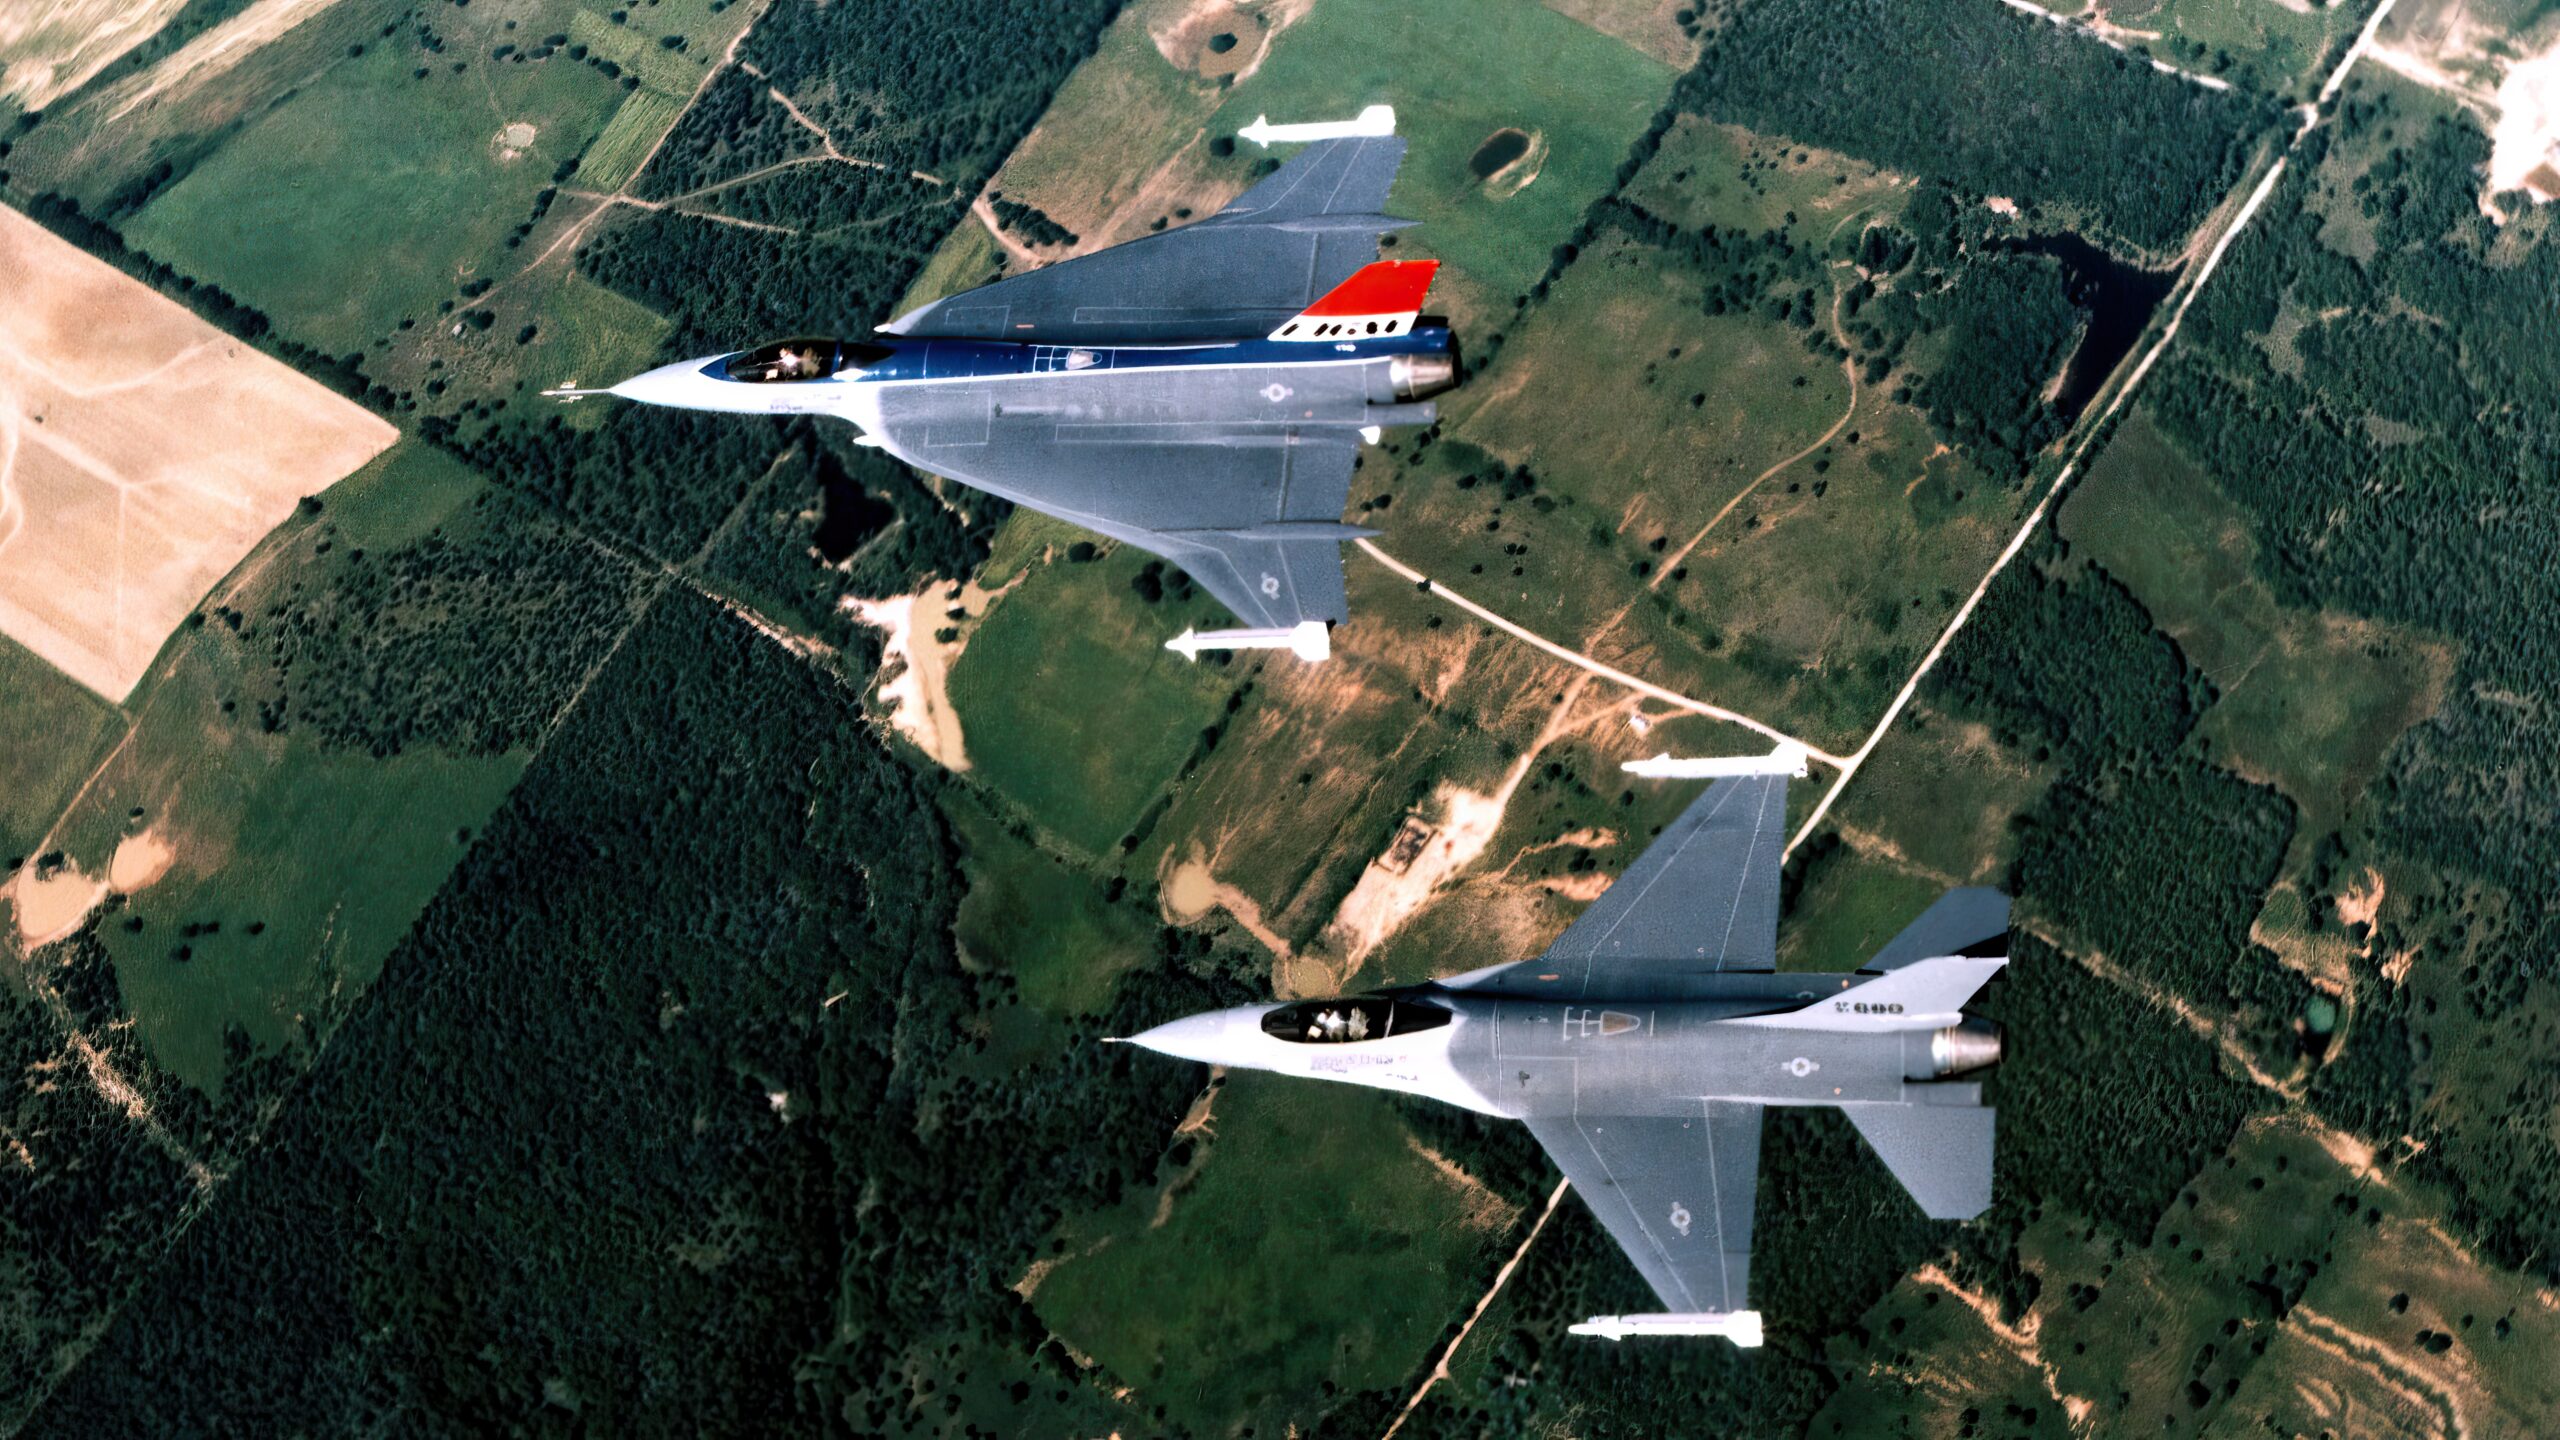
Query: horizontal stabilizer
pixel 1742 1327
pixel 1925 994
pixel 1973 921
pixel 1941 1154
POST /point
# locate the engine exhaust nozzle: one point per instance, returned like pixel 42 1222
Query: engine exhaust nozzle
pixel 1418 377
pixel 1970 1045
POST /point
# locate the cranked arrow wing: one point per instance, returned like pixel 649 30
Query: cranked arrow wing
pixel 1237 274
pixel 1253 514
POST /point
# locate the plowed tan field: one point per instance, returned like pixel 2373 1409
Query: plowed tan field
pixel 142 453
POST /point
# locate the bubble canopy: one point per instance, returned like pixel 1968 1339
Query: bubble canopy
pixel 802 358
pixel 1337 1022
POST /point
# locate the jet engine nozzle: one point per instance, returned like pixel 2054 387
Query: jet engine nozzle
pixel 1418 377
pixel 1970 1045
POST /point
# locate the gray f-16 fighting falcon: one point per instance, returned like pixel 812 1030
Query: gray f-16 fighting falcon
pixel 1644 1045
pixel 1200 393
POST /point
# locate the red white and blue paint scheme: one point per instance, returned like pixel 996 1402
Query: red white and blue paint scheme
pixel 1201 393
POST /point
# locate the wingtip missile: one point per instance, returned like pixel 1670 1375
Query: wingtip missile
pixel 1376 120
pixel 1742 1327
pixel 1787 758
pixel 1309 640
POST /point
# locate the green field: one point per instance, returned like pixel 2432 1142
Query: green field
pixel 2309 701
pixel 1315 1252
pixel 1072 705
pixel 643 116
pixel 1040 919
pixel 370 195
pixel 591 336
pixel 55 729
pixel 1585 96
pixel 329 854
pixel 2274 47
pixel 1805 604
pixel 1853 901
pixel 1725 176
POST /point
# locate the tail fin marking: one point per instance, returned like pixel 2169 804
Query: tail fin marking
pixel 1382 298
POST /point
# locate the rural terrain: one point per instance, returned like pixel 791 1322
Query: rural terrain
pixel 578 919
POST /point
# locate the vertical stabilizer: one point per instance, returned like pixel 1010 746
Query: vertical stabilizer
pixel 1381 298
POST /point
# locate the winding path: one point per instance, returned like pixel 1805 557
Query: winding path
pixel 1604 671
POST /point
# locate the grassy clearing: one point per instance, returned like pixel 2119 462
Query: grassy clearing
pixel 1128 142
pixel 55 728
pixel 329 854
pixel 1585 96
pixel 1652 26
pixel 369 195
pixel 591 336
pixel 967 258
pixel 1853 901
pixel 1040 919
pixel 2309 702
pixel 1727 177
pixel 1073 706
pixel 637 122
pixel 1316 1250
pixel 2271 46
pixel 1641 418
pixel 1938 796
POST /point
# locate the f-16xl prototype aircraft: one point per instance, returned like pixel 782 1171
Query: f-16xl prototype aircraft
pixel 1643 1047
pixel 1200 393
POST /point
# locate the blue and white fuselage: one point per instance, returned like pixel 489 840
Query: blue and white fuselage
pixel 844 375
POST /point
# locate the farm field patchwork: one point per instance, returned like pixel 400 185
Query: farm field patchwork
pixel 142 454
pixel 368 196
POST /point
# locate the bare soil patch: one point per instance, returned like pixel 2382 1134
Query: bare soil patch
pixel 52 904
pixel 49 48
pixel 140 859
pixel 142 453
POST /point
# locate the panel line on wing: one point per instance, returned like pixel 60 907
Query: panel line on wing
pixel 1626 1198
pixel 1742 878
pixel 1715 1191
pixel 1590 965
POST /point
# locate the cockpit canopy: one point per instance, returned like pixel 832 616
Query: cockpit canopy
pixel 802 359
pixel 1364 1017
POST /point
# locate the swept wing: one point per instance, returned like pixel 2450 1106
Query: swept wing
pixel 1241 272
pixel 1702 899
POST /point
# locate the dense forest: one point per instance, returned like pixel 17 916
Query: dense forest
pixel 1990 101
pixel 470 638
pixel 2396 457
pixel 710 937
pixel 946 88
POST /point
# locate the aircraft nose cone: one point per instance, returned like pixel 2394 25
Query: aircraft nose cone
pixel 1214 1039
pixel 666 385
pixel 1205 1038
